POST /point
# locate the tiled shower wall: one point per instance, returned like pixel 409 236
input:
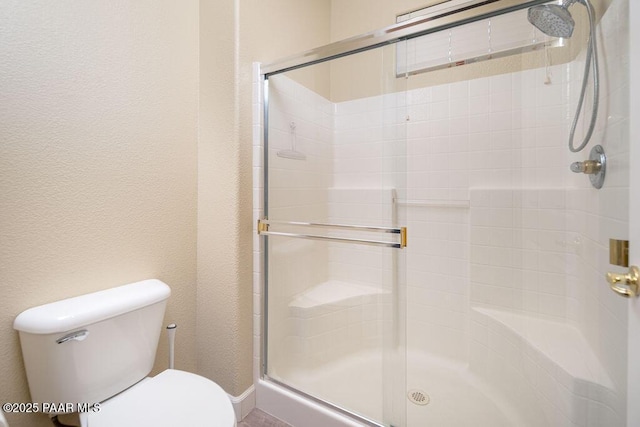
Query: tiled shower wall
pixel 500 132
pixel 538 240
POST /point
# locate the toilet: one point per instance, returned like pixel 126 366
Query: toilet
pixel 93 353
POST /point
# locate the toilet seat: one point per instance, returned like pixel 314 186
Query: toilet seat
pixel 171 398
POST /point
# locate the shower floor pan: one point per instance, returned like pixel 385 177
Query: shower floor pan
pixel 456 396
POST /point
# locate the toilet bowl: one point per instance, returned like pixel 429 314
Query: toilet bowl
pixel 94 352
pixel 3 421
pixel 171 398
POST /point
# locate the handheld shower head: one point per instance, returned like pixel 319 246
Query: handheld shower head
pixel 552 19
pixel 555 20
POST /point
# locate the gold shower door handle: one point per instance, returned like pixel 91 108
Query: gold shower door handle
pixel 625 285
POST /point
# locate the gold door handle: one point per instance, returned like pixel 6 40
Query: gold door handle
pixel 625 285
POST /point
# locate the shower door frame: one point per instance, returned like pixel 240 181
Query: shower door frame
pixel 633 332
pixel 416 27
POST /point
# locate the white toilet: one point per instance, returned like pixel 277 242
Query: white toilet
pixel 92 354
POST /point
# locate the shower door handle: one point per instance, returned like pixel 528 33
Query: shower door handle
pixel 263 229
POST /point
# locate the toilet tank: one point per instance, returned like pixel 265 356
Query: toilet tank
pixel 88 348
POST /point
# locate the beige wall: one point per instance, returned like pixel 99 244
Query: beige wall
pixel 98 140
pixel 232 36
pixel 224 267
pixel 100 155
pixel 355 17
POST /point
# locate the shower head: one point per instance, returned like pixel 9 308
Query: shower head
pixel 555 20
pixel 552 19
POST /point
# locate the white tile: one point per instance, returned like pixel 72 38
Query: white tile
pixel 500 101
pixel 440 93
pixel 499 121
pixel 500 83
pixel 479 87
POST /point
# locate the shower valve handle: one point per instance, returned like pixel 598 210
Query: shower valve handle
pixel 595 167
pixel 589 167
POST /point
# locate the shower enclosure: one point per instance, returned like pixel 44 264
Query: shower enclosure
pixel 427 256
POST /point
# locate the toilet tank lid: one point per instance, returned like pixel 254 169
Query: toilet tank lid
pixel 76 312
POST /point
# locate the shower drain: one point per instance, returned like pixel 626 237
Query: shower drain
pixel 418 397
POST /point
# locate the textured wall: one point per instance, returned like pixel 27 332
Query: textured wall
pixel 232 36
pixel 98 140
pixel 224 268
pixel 99 125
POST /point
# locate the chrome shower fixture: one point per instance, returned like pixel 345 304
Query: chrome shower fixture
pixel 552 19
pixel 595 167
pixel 555 20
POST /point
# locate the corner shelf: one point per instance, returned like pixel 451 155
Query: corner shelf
pixel 334 293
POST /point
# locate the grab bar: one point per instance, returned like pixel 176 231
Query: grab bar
pixel 263 229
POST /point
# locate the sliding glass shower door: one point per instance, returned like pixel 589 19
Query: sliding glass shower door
pixel 334 176
pixel 509 308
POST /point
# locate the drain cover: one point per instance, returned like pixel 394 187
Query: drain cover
pixel 418 397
